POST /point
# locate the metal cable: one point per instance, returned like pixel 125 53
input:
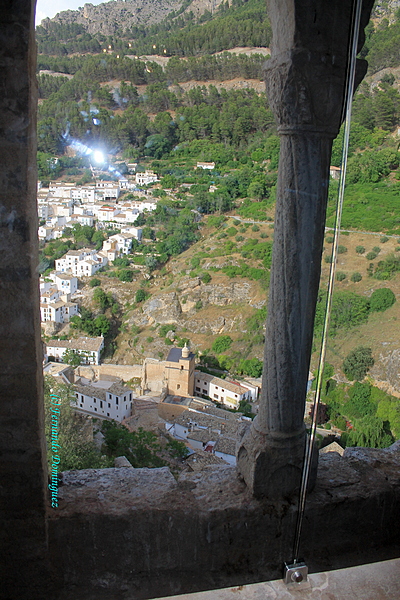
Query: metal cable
pixel 339 207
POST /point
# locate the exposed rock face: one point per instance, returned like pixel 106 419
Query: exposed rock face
pixel 165 308
pixel 387 371
pixel 386 10
pixel 109 17
pixel 171 307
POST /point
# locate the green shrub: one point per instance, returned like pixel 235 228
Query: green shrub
pixel 140 296
pixel 162 332
pixel 371 256
pixel 255 228
pixel 357 363
pixel 198 305
pixel 356 277
pixel 342 249
pixel 94 282
pixel 263 235
pixel 384 239
pixel 348 310
pixel 231 231
pixel 340 276
pixel 382 299
pixel 359 403
pixel 376 249
pixel 387 268
pixel 329 239
pixel 214 221
pixel 239 238
pixel 149 339
pixel 339 422
pixel 125 275
pixel 328 258
pixel 221 344
pixel 360 249
pixel 251 367
pixel 206 277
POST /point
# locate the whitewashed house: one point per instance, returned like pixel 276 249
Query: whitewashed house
pixel 59 311
pixel 81 263
pixel 146 178
pixel 107 213
pixel 205 165
pixel 44 211
pixel 121 242
pixel 85 220
pixel 107 190
pixel 220 390
pixel 61 189
pixel 105 399
pixel 66 283
pixel 89 349
pixel 85 193
pixel 136 232
pixel 45 233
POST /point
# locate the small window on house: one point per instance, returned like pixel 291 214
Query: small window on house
pixel 181 367
pixel 216 396
pixel 216 387
pixel 95 409
pixel 222 390
pixel 198 389
pixel 109 405
pixel 94 400
pixel 205 391
pixel 116 400
pixel 108 414
pixel 101 404
pixel 178 387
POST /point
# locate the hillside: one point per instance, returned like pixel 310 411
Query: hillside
pixel 189 88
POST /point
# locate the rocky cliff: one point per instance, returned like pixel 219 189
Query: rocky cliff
pixel 110 17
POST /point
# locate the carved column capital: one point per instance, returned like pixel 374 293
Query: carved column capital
pixel 306 91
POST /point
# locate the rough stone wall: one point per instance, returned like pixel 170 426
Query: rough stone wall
pixel 169 412
pixel 22 464
pixel 154 375
pixel 125 372
pixel 140 533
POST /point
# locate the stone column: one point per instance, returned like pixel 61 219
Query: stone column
pixel 305 82
pixel 23 475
